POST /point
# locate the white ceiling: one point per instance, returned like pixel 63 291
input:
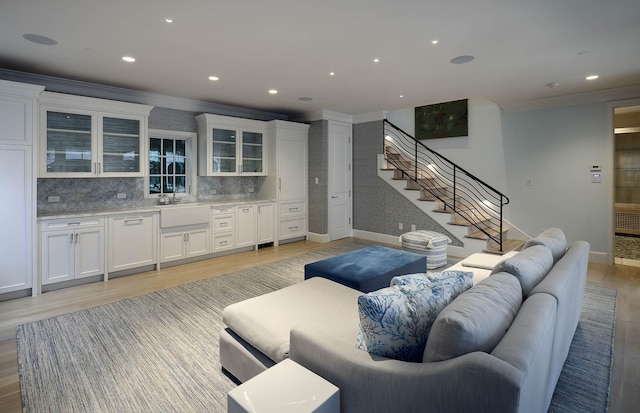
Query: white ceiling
pixel 520 46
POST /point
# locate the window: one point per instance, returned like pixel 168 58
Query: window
pixel 170 169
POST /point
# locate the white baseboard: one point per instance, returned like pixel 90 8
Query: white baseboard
pixel 374 236
pixel 312 236
pixel 600 257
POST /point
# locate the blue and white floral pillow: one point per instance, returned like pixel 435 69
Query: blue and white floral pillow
pixel 395 321
pixel 460 281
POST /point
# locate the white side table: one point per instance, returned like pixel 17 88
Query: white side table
pixel 286 387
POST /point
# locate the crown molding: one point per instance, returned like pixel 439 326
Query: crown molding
pixel 95 90
pixel 370 117
pixel 575 99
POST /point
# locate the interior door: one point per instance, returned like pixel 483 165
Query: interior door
pixel 340 181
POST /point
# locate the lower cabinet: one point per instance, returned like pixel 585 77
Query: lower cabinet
pixel 71 249
pixel 184 243
pixel 245 226
pixel 223 228
pixel 133 241
pixel 265 223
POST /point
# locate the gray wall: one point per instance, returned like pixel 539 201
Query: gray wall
pixel 318 168
pixel 377 207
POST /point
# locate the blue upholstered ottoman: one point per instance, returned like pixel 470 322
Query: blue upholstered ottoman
pixel 367 269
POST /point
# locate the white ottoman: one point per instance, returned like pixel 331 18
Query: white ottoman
pixel 430 243
pixel 286 387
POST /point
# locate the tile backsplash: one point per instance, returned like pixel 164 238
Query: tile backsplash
pixel 87 194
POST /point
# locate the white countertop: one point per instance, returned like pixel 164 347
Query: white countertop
pixel 143 209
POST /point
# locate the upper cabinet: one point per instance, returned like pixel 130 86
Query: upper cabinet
pixel 230 146
pixel 88 137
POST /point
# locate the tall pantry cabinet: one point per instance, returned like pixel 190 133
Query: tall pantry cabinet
pixel 18 126
pixel 287 178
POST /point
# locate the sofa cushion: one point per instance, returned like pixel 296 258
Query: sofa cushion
pixel 459 281
pixel 529 267
pixel 552 238
pixel 266 321
pixel 395 321
pixel 485 261
pixel 476 320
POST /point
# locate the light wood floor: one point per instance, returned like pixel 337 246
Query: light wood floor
pixel 625 386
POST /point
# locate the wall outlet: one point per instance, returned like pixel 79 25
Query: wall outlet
pixel 316 181
pixel 250 190
pixel 400 226
pixel 53 198
pixel 213 192
pixel 121 195
pixel 413 227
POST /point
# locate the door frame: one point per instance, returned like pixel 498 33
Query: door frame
pixel 610 176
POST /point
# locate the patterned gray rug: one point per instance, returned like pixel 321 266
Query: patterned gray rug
pixel 159 352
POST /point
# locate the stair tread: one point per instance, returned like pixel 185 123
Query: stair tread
pixel 477 234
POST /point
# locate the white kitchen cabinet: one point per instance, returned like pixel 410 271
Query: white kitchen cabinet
pixel 245 226
pixel 177 244
pixel 288 182
pixel 71 249
pixel 18 126
pixel 230 146
pixel 133 241
pixel 223 228
pixel 265 223
pixel 88 137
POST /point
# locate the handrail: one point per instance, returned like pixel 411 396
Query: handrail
pixel 477 202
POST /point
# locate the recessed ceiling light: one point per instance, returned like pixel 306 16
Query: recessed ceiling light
pixel 591 77
pixel 128 59
pixel 39 39
pixel 434 41
pixel 401 96
pixel 332 73
pixel 462 59
pixel 376 60
pixel 214 78
pixel 169 20
pixel 305 99
pixel 273 91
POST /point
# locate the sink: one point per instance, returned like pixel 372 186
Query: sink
pixel 182 215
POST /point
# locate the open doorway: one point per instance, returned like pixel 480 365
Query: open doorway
pixel 627 185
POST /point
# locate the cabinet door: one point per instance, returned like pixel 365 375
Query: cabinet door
pixel 245 226
pixel 252 153
pixel 198 242
pixel 224 151
pixel 265 223
pixel 15 118
pixel 292 168
pixel 70 142
pixel 89 253
pixel 121 145
pixel 57 256
pixel 132 242
pixel 16 218
pixel 172 246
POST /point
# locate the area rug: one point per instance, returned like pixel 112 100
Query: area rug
pixel 159 352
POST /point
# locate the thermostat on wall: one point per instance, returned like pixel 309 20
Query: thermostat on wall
pixel 595 167
pixel 596 178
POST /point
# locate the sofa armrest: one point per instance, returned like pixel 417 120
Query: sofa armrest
pixel 475 382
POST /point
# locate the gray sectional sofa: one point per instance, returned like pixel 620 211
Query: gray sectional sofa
pixel 498 347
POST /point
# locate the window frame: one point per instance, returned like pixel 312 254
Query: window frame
pixel 190 155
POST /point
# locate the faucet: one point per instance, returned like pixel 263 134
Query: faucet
pixel 175 200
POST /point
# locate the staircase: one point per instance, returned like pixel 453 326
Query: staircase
pixel 468 202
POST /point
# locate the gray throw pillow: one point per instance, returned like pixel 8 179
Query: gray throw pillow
pixel 552 238
pixel 529 266
pixel 476 320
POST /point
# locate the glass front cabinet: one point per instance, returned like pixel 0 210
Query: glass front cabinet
pixel 230 146
pixel 88 137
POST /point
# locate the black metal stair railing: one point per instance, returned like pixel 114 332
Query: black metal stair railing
pixel 478 204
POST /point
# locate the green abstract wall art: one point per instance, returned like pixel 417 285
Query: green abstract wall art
pixel 442 120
